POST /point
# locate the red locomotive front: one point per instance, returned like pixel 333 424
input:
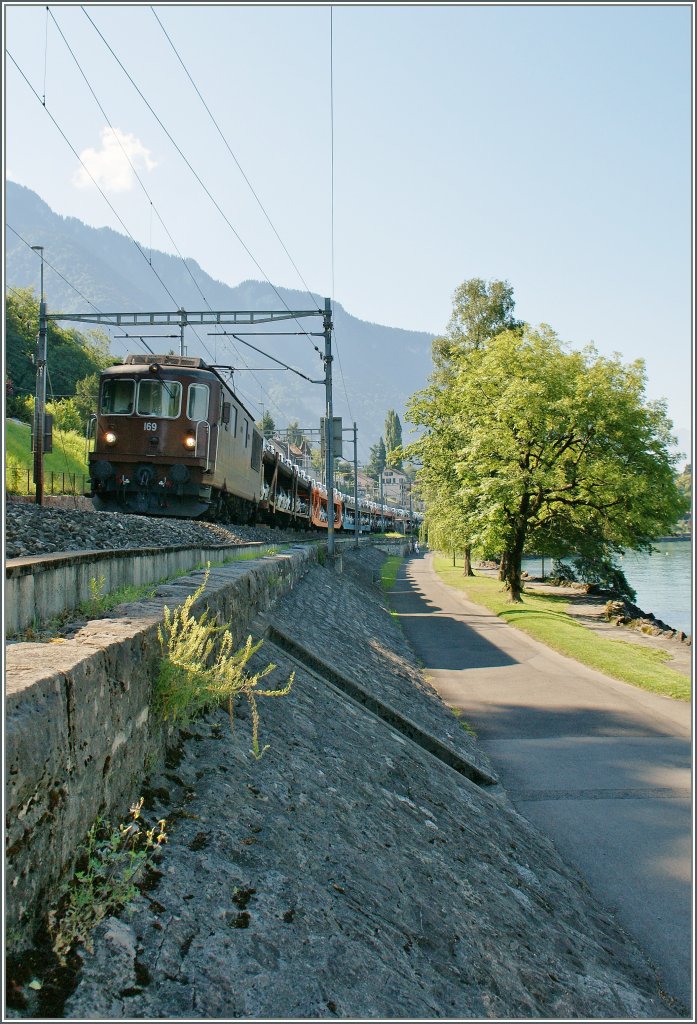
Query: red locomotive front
pixel 156 436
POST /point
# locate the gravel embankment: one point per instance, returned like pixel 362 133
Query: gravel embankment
pixel 39 529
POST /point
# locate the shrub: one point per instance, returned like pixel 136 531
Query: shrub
pixel 563 573
pixel 199 668
pixel 109 862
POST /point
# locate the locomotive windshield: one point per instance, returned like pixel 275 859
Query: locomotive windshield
pixel 159 398
pixel 118 397
pixel 197 408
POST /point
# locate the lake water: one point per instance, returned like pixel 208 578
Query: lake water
pixel 662 580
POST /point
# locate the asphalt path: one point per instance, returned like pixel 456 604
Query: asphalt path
pixel 603 768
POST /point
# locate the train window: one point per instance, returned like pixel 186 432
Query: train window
pixel 197 408
pixel 246 433
pixel 159 398
pixel 118 397
pixel 256 451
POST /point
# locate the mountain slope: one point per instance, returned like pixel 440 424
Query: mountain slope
pixel 381 366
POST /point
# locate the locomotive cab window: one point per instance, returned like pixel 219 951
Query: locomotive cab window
pixel 159 398
pixel 118 397
pixel 197 407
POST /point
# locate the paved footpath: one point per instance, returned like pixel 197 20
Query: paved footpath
pixel 601 767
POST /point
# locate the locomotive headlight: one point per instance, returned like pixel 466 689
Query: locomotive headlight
pixel 110 437
pixel 190 441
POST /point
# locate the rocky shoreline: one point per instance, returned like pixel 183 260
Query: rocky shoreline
pixel 624 613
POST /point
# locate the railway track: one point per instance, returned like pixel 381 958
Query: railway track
pixel 33 530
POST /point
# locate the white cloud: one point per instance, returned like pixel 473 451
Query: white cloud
pixel 109 166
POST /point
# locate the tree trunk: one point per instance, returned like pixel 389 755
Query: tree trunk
pixel 467 558
pixel 503 566
pixel 512 560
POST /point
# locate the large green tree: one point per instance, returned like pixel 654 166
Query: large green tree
pixel 266 425
pixel 532 446
pixel 295 435
pixel 481 310
pixel 377 461
pixel 393 438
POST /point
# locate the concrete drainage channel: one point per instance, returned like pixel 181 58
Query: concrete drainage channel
pixel 427 741
pixel 80 734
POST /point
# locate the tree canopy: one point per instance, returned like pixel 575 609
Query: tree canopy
pixel 266 425
pixel 295 435
pixel 481 310
pixel 531 446
pixel 393 438
pixel 377 461
pixel 71 355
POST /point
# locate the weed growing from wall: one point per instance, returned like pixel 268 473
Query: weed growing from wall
pixel 109 863
pixel 200 669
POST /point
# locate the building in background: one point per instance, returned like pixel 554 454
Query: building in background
pixel 395 487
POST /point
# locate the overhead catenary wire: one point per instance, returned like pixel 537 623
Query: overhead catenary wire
pixel 234 157
pixel 135 172
pixel 130 162
pixel 272 358
pixel 145 191
pixel 331 121
pixel 114 211
pixel 91 176
pixel 192 169
pixel 120 220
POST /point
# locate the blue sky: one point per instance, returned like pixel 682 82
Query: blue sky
pixel 546 145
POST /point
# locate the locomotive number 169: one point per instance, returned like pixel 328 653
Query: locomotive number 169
pixel 149 425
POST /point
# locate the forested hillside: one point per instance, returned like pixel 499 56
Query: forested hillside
pixel 375 367
pixel 74 355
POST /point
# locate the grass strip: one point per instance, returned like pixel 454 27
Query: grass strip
pixel 389 570
pixel 545 618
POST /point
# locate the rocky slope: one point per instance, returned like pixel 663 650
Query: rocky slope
pixel 350 873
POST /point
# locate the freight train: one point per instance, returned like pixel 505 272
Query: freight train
pixel 171 438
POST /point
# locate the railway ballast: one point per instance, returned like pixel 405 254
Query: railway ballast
pixel 38 529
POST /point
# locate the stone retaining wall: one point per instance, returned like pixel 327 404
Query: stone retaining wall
pixel 80 729
pixel 39 588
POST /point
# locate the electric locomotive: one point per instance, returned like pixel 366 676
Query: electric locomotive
pixel 170 438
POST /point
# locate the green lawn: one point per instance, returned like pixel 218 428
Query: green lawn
pixel 389 570
pixel 67 457
pixel 545 619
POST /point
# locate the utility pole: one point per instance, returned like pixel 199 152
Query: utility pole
pixel 182 324
pixel 382 502
pixel 357 512
pixel 329 422
pixel 40 399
